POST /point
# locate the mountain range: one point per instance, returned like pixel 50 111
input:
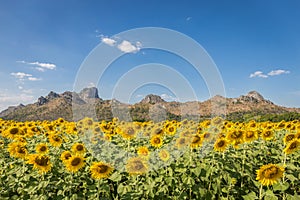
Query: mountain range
pixel 75 106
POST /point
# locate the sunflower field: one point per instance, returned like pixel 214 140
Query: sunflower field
pixel 211 159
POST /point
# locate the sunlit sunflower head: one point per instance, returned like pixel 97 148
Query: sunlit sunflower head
pixel 267 135
pixel 55 140
pixel 220 144
pixel 143 152
pixel 171 129
pixel 269 174
pixel 217 121
pixel 250 135
pixel 100 170
pixel 40 162
pixel 78 148
pixel 65 156
pixel 136 166
pixel 196 141
pixel 292 146
pixel 289 137
pixel 75 163
pixel 12 132
pixel 42 148
pixel 235 136
pixel 17 150
pixel 164 155
pixel 156 141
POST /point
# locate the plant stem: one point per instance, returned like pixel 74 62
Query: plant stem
pixel 260 191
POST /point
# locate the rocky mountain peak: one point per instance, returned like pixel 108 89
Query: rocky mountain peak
pixel 152 99
pixel 255 95
pixel 89 93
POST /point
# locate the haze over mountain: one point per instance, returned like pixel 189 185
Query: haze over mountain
pixel 87 103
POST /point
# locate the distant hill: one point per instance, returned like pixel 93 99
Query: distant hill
pixel 75 106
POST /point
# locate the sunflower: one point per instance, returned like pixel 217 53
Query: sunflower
pixel 220 145
pixel 235 136
pixel 164 155
pixel 196 141
pixel 170 130
pixel 75 163
pixel 250 135
pixel 40 162
pixel 12 132
pixel 269 174
pixel 267 135
pixel 78 148
pixel 55 140
pixel 292 146
pixel 100 170
pixel 17 150
pixel 157 131
pixel 42 148
pixel 288 137
pixel 217 121
pixel 136 166
pixel 143 151
pixel 128 132
pixel 156 141
pixel 65 156
pixel 182 142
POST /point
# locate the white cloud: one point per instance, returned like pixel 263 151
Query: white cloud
pixel 168 97
pixel 278 72
pixel 258 74
pixel 7 100
pixel 108 41
pixel 188 18
pixel 127 47
pixel 40 66
pixel 20 75
pixel 34 79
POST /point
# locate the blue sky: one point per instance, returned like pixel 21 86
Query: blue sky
pixel 254 44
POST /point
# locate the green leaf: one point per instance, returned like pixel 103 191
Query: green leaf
pixel 281 186
pixel 116 177
pixel 270 195
pixel 250 196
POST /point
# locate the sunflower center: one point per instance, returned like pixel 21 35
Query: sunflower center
pixel 221 143
pixel 156 140
pixel 67 156
pixel 43 148
pixel 250 134
pixel 14 131
pixel 130 131
pixel 182 141
pixel 171 129
pixel 138 165
pixel 196 139
pixel 79 147
pixel 42 161
pixel 271 172
pixel 56 138
pixel 75 161
pixel 102 168
pixel 21 150
pixel 290 137
pixel 267 133
pixel 293 145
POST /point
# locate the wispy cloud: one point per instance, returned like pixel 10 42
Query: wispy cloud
pixel 259 74
pixel 40 66
pixel 123 45
pixel 188 18
pixel 21 76
pixel 7 100
pixel 168 97
pixel 277 72
pixel 128 47
pixel 108 41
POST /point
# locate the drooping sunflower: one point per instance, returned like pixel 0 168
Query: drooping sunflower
pixel 288 137
pixel 65 156
pixel 292 146
pixel 75 163
pixel 78 148
pixel 42 148
pixel 196 141
pixel 40 162
pixel 156 141
pixel 100 170
pixel 55 140
pixel 143 152
pixel 267 134
pixel 136 166
pixel 164 155
pixel 220 145
pixel 269 174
